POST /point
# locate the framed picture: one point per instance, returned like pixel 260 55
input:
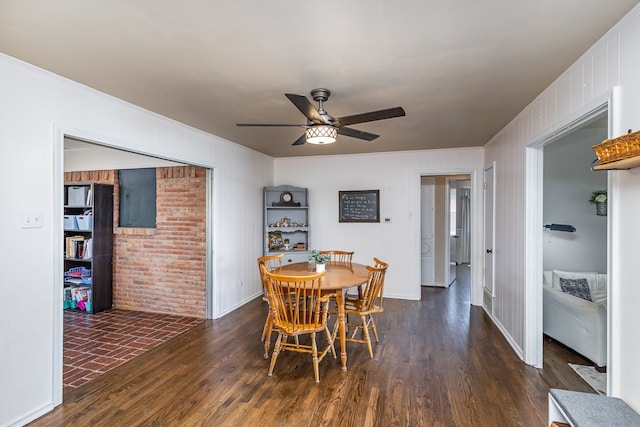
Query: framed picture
pixel 275 240
pixel 359 206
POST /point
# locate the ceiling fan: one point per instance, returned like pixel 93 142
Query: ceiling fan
pixel 322 128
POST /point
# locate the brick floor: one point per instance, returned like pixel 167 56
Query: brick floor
pixel 96 343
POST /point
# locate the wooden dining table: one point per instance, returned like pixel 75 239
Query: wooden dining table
pixel 338 278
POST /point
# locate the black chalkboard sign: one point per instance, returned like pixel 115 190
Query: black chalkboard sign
pixel 359 206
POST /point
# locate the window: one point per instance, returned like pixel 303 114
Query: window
pixel 137 193
pixel 452 212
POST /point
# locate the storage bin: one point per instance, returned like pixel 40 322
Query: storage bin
pixel 85 222
pixel 77 195
pixel 70 222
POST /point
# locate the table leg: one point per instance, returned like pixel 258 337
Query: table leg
pixel 342 328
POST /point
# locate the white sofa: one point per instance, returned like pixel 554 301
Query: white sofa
pixel 575 322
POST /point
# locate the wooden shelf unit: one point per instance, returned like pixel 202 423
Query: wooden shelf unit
pixel 295 213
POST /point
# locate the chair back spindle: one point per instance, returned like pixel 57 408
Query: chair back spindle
pixel 339 257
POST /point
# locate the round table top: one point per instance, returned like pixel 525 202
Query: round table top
pixel 338 276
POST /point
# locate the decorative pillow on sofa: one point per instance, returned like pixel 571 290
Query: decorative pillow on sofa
pixel 576 287
pixel 597 283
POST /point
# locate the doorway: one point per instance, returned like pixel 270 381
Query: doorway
pixel 95 156
pixel 574 244
pixel 534 230
pixel 445 227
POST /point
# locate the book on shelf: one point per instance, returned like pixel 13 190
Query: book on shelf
pixel 88 249
pixel 71 246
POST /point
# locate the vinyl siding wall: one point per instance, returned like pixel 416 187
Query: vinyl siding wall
pixel 612 61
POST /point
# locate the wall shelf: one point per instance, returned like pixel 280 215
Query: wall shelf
pixel 625 164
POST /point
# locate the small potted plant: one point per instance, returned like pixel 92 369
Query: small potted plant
pixel 600 198
pixel 319 259
pixel 286 244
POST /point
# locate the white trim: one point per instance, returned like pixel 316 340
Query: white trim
pixel 534 184
pixel 58 264
pixel 210 252
pixel 614 234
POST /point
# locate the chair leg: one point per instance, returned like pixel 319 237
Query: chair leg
pixel 373 327
pixel 276 349
pixel 314 346
pixel 365 331
pixel 264 329
pixel 330 339
pixel 268 327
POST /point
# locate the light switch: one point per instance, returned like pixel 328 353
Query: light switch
pixel 31 219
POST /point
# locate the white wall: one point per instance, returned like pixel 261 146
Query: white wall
pixel 397 176
pixel 612 61
pixel 34 105
pixel 568 184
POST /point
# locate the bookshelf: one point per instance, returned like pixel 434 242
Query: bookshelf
pixel 88 246
pixel 286 219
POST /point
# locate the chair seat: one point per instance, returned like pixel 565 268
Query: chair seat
pixel 299 328
pixel 357 307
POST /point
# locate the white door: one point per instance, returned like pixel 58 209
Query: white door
pixel 427 227
pixel 488 229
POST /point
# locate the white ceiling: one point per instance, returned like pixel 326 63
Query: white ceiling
pixel 460 69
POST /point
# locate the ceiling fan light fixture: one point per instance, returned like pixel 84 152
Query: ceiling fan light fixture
pixel 321 134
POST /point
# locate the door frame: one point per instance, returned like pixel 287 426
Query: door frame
pixel 476 227
pixel 57 324
pixel 534 174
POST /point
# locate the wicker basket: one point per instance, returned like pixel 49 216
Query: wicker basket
pixel 620 148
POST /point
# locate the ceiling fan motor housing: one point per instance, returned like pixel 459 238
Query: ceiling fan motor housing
pixel 320 94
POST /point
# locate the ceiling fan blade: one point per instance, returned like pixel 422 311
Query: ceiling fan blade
pixel 301 140
pixel 268 124
pixel 305 107
pixel 388 113
pixel 354 133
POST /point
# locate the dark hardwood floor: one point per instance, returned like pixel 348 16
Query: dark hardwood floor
pixel 439 362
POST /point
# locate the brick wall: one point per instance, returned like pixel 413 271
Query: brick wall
pixel 163 269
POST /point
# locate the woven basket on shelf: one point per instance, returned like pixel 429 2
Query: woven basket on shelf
pixel 620 148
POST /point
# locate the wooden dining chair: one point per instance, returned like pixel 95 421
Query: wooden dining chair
pixel 365 305
pixel 272 263
pixel 299 308
pixel 339 257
